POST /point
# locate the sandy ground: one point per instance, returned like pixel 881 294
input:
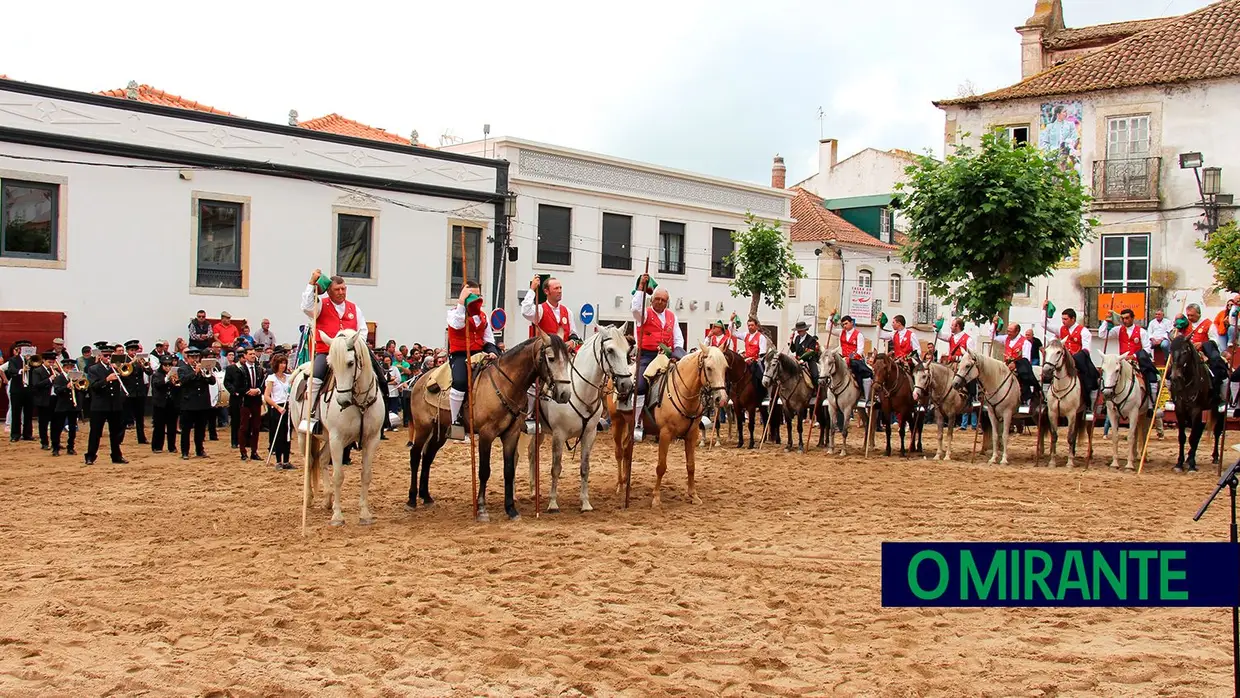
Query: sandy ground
pixel 163 577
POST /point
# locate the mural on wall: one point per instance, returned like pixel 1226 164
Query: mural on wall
pixel 1072 261
pixel 1061 132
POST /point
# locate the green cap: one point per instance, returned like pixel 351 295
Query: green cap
pixel 471 299
pixel 938 325
pixel 1000 325
pixel 323 283
pixel 1181 323
pixel 650 289
pixel 882 319
pixel 719 323
pixel 1050 309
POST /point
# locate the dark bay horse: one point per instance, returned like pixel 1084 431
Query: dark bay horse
pixel 743 395
pixel 893 386
pixel 1194 398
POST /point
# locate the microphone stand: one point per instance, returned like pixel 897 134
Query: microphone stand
pixel 1230 480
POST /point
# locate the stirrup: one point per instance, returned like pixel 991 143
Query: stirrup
pixel 638 434
pixel 311 426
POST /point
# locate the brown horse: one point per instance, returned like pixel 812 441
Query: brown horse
pixel 743 395
pixel 893 386
pixel 692 383
pixel 499 408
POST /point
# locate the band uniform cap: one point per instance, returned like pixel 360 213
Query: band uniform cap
pixel 225 315
pixel 193 351
pixel 133 344
pixel 801 325
pixel 49 354
pixel 103 345
pixel 58 340
pixel 68 362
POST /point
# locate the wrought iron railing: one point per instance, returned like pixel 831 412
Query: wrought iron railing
pixel 926 313
pixel 1130 179
pixel 219 278
pixel 1154 298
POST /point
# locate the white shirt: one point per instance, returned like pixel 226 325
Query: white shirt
pixel 1113 332
pixel 636 307
pixel 279 389
pixel 890 336
pixel 214 388
pixel 456 320
pixel 1160 329
pixel 744 334
pixel 949 336
pixel 1054 324
pixel 394 384
pixel 311 309
pixel 532 311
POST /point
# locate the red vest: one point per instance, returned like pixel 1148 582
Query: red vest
pixel 653 332
pixel 1014 350
pixel 903 343
pixel 456 338
pixel 1200 333
pixel 1071 338
pixel 552 322
pixel 956 348
pixel 1129 343
pixel 753 345
pixel 330 323
pixel 721 341
pixel 848 344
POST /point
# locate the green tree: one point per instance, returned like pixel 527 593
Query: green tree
pixel 1223 251
pixel 984 221
pixel 764 264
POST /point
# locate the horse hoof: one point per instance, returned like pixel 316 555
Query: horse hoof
pixel 427 502
pixel 1114 464
pixel 656 504
pixel 695 500
pixel 513 514
pixel 1178 468
pixel 337 522
pixel 483 517
pixel 1129 467
pixel 365 522
pixel 553 509
pixel 411 506
pixel 992 461
pixel 586 508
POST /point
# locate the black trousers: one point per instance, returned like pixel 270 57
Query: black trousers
pixel 62 422
pixel 1088 372
pixel 135 406
pixel 115 420
pixel 22 406
pixel 860 369
pixel 164 427
pixel 234 417
pixel 277 429
pixel 197 421
pixel 1028 381
pixel 45 422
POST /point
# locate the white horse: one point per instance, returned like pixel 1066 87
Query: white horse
pixel 1000 396
pixel 932 384
pixel 351 412
pixel 842 394
pixel 1124 391
pixel 1063 399
pixel 604 355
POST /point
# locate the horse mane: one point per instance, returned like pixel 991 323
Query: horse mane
pixel 788 363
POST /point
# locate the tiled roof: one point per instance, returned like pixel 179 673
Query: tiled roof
pixel 1201 45
pixel 1099 33
pixel 816 224
pixel 151 95
pixel 335 123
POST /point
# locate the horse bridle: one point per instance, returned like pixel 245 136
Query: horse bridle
pixel 1008 380
pixel 545 381
pixel 599 352
pixel 1132 385
pixel 1055 372
pixel 357 372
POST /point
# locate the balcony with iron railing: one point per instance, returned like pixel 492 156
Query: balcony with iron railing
pixel 1129 184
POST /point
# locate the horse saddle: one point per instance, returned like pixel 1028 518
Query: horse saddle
pixel 656 379
pixel 438 382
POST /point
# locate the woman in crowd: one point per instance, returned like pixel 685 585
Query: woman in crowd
pixel 276 397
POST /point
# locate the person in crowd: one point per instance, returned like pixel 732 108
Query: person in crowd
pixel 233 384
pixel 138 385
pixel 1160 330
pixel 21 404
pixel 68 405
pixel 107 405
pixel 276 393
pixel 225 331
pixel 41 395
pixel 201 331
pixel 58 346
pixel 85 359
pixel 195 382
pixel 245 340
pixel 165 405
pixel 264 335
pixel 250 384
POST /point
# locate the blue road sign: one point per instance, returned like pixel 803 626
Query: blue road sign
pixel 498 319
pixel 587 314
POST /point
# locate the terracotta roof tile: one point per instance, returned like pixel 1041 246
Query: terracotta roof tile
pixel 1201 45
pixel 1082 37
pixel 151 95
pixel 335 123
pixel 816 224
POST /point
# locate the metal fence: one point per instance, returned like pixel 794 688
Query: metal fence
pixel 1130 179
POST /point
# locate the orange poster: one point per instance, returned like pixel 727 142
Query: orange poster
pixel 1120 301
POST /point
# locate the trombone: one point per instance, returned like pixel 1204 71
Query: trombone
pixel 125 370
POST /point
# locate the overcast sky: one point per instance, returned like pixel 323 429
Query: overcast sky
pixel 713 87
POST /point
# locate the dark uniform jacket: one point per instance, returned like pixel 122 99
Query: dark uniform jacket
pixel 105 395
pixel 17 381
pixel 63 395
pixel 134 383
pixel 805 348
pixel 163 392
pixel 195 390
pixel 41 386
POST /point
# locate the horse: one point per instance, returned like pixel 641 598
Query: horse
pixel 350 410
pixel 690 384
pixel 743 396
pixel 1125 393
pixel 1193 394
pixel 896 386
pixel 498 396
pixel 603 358
pixel 933 386
pixel 1000 396
pixel 796 391
pixel 843 394
pixel 1063 399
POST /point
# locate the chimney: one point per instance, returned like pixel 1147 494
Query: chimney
pixel 828 155
pixel 292 117
pixel 779 173
pixel 1047 20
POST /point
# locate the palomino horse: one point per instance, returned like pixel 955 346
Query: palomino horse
pixel 498 406
pixel 1124 391
pixel 1000 396
pixel 895 386
pixel 932 386
pixel 1194 398
pixel 691 383
pixel 603 358
pixel 843 394
pixel 350 410
pixel 1063 399
pixel 796 391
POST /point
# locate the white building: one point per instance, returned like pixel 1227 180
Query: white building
pixel 1121 103
pixel 120 216
pixel 592 220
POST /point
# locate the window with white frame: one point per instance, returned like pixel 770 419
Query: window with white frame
pixel 885 217
pixel 671 247
pixel 923 293
pixel 865 278
pixel 219 244
pixel 354 235
pixel 1125 262
pixel 896 283
pixel 1128 137
pixel 793 282
pixel 29 219
pixel 1016 135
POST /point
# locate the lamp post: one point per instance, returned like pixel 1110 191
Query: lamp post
pixel 1209 186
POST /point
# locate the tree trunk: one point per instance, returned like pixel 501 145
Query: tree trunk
pixel 753 304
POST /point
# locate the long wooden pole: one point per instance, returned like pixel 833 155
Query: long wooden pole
pixel 813 410
pixel 1037 454
pixel 537 446
pixel 1162 385
pixel 639 331
pixel 469 387
pixel 305 468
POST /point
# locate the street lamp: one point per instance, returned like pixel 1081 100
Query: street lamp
pixel 1209 185
pixel 1211 180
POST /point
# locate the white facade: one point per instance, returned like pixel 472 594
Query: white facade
pixel 130 180
pixel 590 186
pixel 1169 121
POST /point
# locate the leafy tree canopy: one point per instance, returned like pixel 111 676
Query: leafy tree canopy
pixel 764 264
pixel 1223 251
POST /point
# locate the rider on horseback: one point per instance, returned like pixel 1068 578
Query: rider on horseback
pixel 1078 342
pixel 1204 336
pixel 657 329
pixel 331 312
pixel 904 343
pixel 804 346
pixel 1018 355
pixel 958 342
pixel 1134 345
pixel 481 340
pixel 850 348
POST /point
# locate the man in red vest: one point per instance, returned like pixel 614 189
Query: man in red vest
pixel 331 313
pixel 548 317
pixel 903 340
pixel 1199 330
pixel 481 339
pixel 658 327
pixel 717 335
pixel 1079 343
pixel 1018 354
pixel 958 341
pixel 851 343
pixel 1134 345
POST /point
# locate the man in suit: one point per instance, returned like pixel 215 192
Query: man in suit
pixel 67 407
pixel 249 395
pixel 138 384
pixel 804 346
pixel 195 402
pixel 21 404
pixel 166 407
pixel 41 395
pixel 107 406
pixel 234 384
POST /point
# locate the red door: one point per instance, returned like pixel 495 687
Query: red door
pixel 39 327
